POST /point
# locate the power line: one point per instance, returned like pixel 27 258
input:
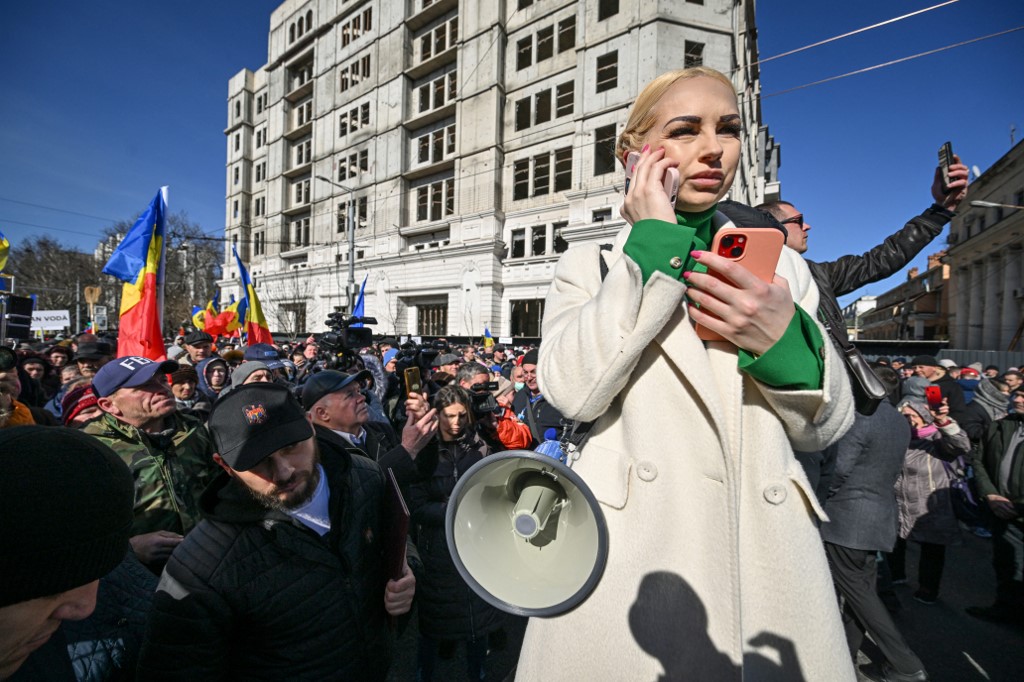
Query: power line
pixel 892 62
pixel 58 210
pixel 853 33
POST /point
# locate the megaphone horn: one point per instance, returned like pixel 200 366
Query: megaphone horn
pixel 526 533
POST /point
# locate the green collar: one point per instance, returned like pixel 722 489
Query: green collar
pixel 701 223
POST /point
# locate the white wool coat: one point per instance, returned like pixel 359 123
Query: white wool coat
pixel 715 568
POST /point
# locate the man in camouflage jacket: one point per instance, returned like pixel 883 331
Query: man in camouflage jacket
pixel 170 454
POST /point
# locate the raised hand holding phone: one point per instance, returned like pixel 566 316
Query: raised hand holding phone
pixel 949 188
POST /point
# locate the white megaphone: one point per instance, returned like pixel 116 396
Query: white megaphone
pixel 526 533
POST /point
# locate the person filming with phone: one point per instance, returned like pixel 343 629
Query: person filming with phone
pixel 715 565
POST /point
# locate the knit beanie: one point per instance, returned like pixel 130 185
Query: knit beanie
pixel 919 406
pixel 76 400
pixel 246 370
pixel 184 373
pixel 66 503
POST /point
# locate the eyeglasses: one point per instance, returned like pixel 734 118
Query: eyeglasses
pixel 797 220
pixel 8 360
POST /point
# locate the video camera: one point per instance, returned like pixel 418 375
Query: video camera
pixel 338 347
pixel 484 402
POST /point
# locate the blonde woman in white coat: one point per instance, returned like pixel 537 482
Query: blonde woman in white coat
pixel 715 567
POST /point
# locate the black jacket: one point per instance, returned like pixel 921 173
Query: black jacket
pixel 382 446
pixel 849 273
pixel 545 416
pixel 448 608
pixel 988 460
pixel 253 594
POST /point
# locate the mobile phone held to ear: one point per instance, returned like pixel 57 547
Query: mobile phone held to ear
pixel 755 248
pixel 945 159
pixel 933 394
pixel 413 382
pixel 670 182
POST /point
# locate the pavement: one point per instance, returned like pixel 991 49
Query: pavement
pixel 953 646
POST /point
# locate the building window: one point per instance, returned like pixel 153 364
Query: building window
pixel 436 200
pixel 434 146
pixel 521 179
pixel 304 113
pixel 300 232
pixel 564 96
pixel 694 55
pixel 300 192
pixel 238 141
pixel 541 175
pixel 563 169
pixel 526 316
pixel 601 215
pixel 234 209
pixel 518 249
pixel 438 92
pixel 523 110
pixel 539 234
pixel 567 34
pixel 432 320
pixel 354 165
pixel 545 43
pixel 557 240
pixel 524 53
pixel 237 174
pixel 303 152
pixel 354 73
pixel 301 75
pixel 543 108
pixel 261 171
pixel 259 104
pixel 359 216
pixel 259 244
pixel 238 110
pixel 523 4
pixel 604 150
pixel 607 8
pixel 608 71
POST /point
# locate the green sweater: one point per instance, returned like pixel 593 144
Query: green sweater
pixel 794 362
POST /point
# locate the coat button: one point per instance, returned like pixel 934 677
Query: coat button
pixel 776 494
pixel 646 471
pixel 675 262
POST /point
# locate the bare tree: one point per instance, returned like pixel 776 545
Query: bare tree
pixel 53 272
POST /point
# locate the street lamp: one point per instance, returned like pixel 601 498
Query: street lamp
pixel 351 233
pixel 992 204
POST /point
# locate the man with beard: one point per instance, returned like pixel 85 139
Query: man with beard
pixel 91 356
pixel 170 454
pixel 284 578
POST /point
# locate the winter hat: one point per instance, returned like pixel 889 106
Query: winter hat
pixel 948 363
pixel 66 501
pixel 530 358
pixel 918 406
pixel 184 373
pixel 969 373
pixel 504 386
pixel 389 355
pixel 976 366
pixel 174 352
pixel 913 387
pixel 197 337
pixel 76 400
pixel 925 361
pixel 245 370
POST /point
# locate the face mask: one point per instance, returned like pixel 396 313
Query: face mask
pixel 519 385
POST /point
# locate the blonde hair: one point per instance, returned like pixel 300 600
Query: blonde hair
pixel 644 112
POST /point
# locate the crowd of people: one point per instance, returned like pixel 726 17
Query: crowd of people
pixel 226 512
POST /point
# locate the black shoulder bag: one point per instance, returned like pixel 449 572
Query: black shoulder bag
pixel 868 389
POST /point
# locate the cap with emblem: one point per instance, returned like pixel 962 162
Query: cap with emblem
pixel 128 372
pixel 328 381
pixel 254 421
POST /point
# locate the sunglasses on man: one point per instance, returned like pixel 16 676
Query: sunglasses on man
pixel 797 220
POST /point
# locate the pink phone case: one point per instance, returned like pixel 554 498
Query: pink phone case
pixel 760 253
pixel 671 180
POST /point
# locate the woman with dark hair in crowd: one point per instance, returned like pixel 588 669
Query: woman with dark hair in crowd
pixel 449 610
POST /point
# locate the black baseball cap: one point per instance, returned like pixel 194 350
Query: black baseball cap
pixel 326 382
pixel 254 421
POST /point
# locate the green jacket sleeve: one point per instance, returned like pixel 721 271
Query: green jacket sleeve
pixel 795 362
pixel 656 245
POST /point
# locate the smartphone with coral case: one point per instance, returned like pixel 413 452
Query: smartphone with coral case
pixel 933 394
pixel 755 248
pixel 670 182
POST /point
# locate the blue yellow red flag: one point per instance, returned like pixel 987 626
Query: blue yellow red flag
pixel 138 261
pixel 5 248
pixel 254 324
pixel 488 340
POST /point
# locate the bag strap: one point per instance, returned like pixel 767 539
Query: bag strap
pixel 533 420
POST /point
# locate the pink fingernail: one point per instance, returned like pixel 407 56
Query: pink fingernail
pixel 646 147
pixel 695 254
pixel 686 275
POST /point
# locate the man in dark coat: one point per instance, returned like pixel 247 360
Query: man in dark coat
pixel 337 407
pixel 284 578
pixel 861 508
pixel 928 367
pixel 531 408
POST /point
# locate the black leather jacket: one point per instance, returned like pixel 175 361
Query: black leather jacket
pixel 849 273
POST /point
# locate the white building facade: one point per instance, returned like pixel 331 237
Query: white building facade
pixel 470 142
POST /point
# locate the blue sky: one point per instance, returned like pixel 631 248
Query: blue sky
pixel 105 101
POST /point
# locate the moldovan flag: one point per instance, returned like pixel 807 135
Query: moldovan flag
pixel 138 261
pixel 254 324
